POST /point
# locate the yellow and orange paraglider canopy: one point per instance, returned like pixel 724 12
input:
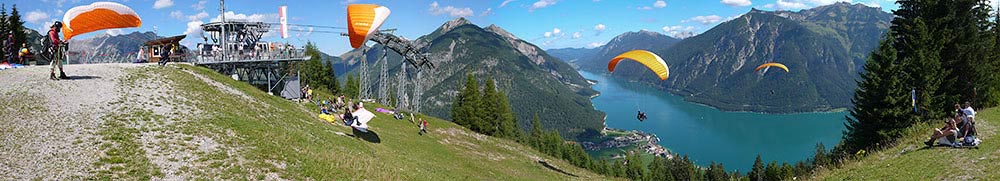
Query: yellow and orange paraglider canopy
pixel 98 16
pixel 648 59
pixel 771 64
pixel 363 20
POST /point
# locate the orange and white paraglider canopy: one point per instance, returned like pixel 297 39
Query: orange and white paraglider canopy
pixel 363 20
pixel 98 16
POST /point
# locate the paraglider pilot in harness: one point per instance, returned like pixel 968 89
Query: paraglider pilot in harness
pixel 641 116
pixel 56 52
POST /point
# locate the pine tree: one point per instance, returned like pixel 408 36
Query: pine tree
pixel 757 174
pixel 716 172
pixel 881 101
pixel 820 158
pixel 633 168
pixel 508 122
pixel 489 110
pixel 772 171
pixel 465 106
pixel 801 169
pixel 351 86
pixel 4 29
pixel 536 131
pixel 332 84
pixel 787 171
pixel 658 170
pixel 16 25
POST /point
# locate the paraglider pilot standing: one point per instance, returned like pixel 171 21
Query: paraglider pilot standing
pixel 56 52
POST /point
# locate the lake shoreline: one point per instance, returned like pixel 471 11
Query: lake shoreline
pixel 688 99
pixel 737 134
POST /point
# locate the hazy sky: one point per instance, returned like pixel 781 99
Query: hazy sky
pixel 546 23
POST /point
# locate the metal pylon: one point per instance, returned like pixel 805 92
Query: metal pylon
pixel 417 92
pixel 383 79
pixel 401 99
pixel 363 91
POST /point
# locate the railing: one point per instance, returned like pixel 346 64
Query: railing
pixel 217 56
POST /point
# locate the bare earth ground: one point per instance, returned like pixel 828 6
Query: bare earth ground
pixel 60 129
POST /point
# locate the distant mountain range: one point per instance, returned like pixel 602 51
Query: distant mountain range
pixel 825 48
pixel 102 48
pixel 106 48
pixel 535 82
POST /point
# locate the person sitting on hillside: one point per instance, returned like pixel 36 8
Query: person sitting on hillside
pixel 945 135
pixel 324 110
pixel 970 113
pixel 348 117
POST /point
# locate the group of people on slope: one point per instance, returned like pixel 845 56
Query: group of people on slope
pixel 961 126
pixel 14 55
pixel 351 110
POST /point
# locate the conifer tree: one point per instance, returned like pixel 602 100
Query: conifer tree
pixel 16 25
pixel 465 106
pixel 489 110
pixel 881 101
pixel 757 174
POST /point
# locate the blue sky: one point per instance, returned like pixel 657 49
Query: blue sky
pixel 546 23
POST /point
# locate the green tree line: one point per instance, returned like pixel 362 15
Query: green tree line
pixel 486 110
pixel 943 52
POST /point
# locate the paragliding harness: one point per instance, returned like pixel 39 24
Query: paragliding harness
pixel 48 51
pixel 641 116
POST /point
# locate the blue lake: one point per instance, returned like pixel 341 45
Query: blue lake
pixel 707 134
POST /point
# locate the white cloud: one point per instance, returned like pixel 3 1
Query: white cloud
pixel 705 20
pixel 547 34
pixel 595 45
pixel 659 4
pixel 577 35
pixel 679 31
pixel 450 10
pixel 487 12
pixel 599 28
pixel 160 4
pixel 232 16
pixel 200 5
pixel 115 32
pixel 736 2
pixel 36 16
pixel 199 16
pixel 556 30
pixel 644 8
pixel 782 4
pixel 504 3
pixel 802 4
pixel 542 4
pixel 177 14
pixel 193 33
pixel 871 4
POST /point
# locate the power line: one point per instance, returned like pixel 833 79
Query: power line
pixel 313 26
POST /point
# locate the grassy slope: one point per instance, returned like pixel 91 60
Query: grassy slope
pixel 911 160
pixel 283 137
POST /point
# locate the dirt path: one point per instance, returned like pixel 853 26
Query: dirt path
pixel 52 133
pixel 110 121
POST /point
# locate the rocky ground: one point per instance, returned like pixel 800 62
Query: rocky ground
pixel 105 121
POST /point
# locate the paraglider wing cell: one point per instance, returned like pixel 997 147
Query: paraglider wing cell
pixel 98 16
pixel 762 66
pixel 648 59
pixel 363 20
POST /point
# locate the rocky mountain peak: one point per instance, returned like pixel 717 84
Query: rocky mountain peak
pixel 447 26
pixel 500 31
